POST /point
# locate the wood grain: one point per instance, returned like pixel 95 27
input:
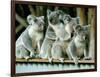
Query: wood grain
pixel 54 61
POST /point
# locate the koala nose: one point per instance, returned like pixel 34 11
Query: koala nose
pixel 41 26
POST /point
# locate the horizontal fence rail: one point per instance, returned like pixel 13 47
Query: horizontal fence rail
pixel 55 61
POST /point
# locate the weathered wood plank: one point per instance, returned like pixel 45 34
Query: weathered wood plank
pixel 54 61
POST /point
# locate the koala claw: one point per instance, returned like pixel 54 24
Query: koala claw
pixel 50 60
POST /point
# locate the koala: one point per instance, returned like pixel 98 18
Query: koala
pixel 77 47
pixel 29 42
pixel 58 50
pixel 55 20
pixel 56 23
pixel 48 41
pixel 70 24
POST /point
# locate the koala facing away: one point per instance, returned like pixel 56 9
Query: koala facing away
pixel 77 47
pixel 48 41
pixel 70 24
pixel 30 39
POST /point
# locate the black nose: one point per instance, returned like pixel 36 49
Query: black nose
pixel 58 14
pixel 35 20
pixel 40 24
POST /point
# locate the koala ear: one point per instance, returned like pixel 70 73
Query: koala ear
pixel 69 17
pixel 78 20
pixel 77 28
pixel 48 11
pixel 42 17
pixel 87 27
pixel 29 18
pixel 56 8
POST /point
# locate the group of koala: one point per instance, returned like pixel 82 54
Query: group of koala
pixel 64 38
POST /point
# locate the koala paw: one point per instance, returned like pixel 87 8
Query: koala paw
pixel 79 58
pixel 32 54
pixel 37 56
pixel 76 61
pixel 87 58
pixel 61 60
pixel 69 37
pixel 27 57
pixel 50 60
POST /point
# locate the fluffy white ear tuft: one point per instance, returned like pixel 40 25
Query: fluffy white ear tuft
pixel 89 25
pixel 29 18
pixel 78 17
pixel 42 17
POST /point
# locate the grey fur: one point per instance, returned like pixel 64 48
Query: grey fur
pixel 77 47
pixel 49 39
pixel 29 40
pixel 70 24
pixel 55 22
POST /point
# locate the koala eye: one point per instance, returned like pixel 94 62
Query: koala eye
pixel 66 18
pixel 57 13
pixel 30 19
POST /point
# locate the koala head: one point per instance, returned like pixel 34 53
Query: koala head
pixel 82 32
pixel 54 17
pixel 37 22
pixel 67 18
pixel 30 19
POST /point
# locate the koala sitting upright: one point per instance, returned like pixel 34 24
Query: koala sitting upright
pixel 56 23
pixel 77 47
pixel 55 20
pixel 48 41
pixel 70 24
pixel 30 39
